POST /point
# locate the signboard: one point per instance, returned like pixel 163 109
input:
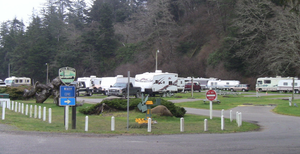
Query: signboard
pixel 211 95
pixel 67 101
pixel 67 91
pixel 67 74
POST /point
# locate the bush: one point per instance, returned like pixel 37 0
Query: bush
pixel 121 104
pixel 16 93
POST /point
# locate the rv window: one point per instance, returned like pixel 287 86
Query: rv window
pixel 227 83
pixel 267 81
pixel 156 81
pixel 21 81
pixel 285 83
pixel 17 81
pixel 259 82
pixel 170 82
pixel 295 84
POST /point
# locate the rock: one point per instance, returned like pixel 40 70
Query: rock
pixel 161 110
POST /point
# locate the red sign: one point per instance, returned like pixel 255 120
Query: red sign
pixel 211 95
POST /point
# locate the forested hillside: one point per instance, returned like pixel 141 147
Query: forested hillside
pixel 227 39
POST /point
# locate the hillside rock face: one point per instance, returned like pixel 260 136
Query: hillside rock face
pixel 161 110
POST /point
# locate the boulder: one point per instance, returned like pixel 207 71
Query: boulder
pixel 161 110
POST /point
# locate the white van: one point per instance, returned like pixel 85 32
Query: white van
pixel 17 81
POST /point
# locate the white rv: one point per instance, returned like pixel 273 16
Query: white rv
pixel 157 82
pixel 202 81
pixel 92 83
pixel 17 81
pixel 107 82
pixel 269 83
pixel 221 84
pixel 287 85
pixel 180 82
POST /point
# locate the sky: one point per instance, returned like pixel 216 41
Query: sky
pixel 22 9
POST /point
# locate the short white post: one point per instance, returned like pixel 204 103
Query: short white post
pixel 222 122
pixel 240 119
pixel 237 117
pixel 12 105
pixel 210 109
pixel 40 112
pixel 181 124
pixel 230 115
pixel 112 123
pixel 16 106
pixel 26 109
pixel 205 125
pixel 222 112
pixel 86 123
pixel 30 111
pixel 35 111
pixel 22 110
pixel 149 124
pixel 290 101
pixel 44 114
pixel 67 117
pixel 8 105
pixel 50 115
pixel 19 108
pixel 3 110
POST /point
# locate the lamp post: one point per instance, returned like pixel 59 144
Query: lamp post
pixel 47 74
pixel 156 60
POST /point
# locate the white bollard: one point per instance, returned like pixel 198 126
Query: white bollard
pixel 8 105
pixel 40 112
pixel 44 114
pixel 12 105
pixel 22 110
pixel 222 112
pixel 86 128
pixel 222 122
pixel 181 124
pixel 237 117
pixel 26 109
pixel 16 106
pixel 50 115
pixel 230 115
pixel 66 117
pixel 149 124
pixel 240 119
pixel 19 108
pixel 112 123
pixel 3 110
pixel 35 111
pixel 205 125
pixel 30 111
pixel 290 101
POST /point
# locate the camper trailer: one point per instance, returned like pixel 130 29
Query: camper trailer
pixel 157 82
pixel 107 82
pixel 287 85
pixel 90 84
pixel 269 83
pixel 201 81
pixel 221 84
pixel 17 81
pixel 180 83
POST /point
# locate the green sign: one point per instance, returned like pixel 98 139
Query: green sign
pixel 67 74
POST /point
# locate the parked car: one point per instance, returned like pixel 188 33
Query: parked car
pixel 240 87
pixel 196 87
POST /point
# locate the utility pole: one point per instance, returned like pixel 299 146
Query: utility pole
pixel 156 60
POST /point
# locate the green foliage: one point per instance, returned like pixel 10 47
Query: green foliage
pixel 16 93
pixel 121 104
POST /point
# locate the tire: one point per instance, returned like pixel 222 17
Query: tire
pixel 90 93
pixel 232 90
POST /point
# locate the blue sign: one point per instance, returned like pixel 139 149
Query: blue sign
pixel 67 91
pixel 67 101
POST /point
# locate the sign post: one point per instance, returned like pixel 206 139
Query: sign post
pixel 68 94
pixel 211 95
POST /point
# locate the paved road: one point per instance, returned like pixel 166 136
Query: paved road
pixel 279 135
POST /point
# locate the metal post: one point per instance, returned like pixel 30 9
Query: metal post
pixel 47 74
pixel 128 101
pixel 192 87
pixel 210 109
pixel 156 59
pixel 66 117
pixel 293 88
pixel 73 117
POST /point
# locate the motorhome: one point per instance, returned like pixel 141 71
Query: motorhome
pixel 201 81
pixel 180 82
pixel 215 83
pixel 17 81
pixel 287 85
pixel 269 83
pixel 157 82
pixel 107 82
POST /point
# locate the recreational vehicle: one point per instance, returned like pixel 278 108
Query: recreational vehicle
pixel 287 86
pixel 17 81
pixel 90 84
pixel 157 82
pixel 180 84
pixel 108 82
pixel 221 84
pixel 269 83
pixel 201 81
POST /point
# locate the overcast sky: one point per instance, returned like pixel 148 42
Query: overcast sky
pixel 22 9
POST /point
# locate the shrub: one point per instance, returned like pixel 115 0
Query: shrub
pixel 121 104
pixel 16 93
